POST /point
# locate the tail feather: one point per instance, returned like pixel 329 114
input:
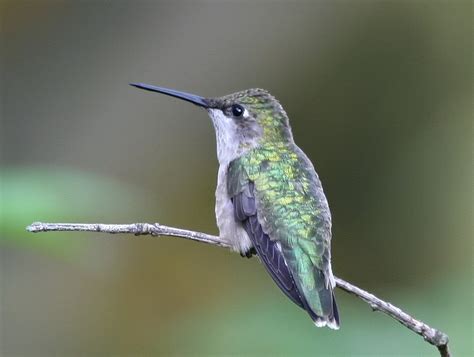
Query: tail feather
pixel 335 312
pixel 330 320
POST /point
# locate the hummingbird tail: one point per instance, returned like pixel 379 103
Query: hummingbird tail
pixel 330 320
pixel 321 304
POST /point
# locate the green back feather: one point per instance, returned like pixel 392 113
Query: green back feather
pixel 293 210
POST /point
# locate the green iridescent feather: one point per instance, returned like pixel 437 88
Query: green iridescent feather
pixel 292 210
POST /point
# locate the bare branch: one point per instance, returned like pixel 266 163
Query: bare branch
pixel 431 335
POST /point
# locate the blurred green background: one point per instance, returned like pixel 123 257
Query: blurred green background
pixel 380 97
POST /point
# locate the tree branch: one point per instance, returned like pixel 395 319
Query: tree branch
pixel 431 335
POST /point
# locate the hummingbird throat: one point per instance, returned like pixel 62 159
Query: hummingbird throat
pixel 233 139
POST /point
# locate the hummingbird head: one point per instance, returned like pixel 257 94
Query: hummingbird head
pixel 242 120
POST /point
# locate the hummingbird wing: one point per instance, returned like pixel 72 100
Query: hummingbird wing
pixel 245 211
pixel 297 257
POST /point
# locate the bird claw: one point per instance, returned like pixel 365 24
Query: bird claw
pixel 249 253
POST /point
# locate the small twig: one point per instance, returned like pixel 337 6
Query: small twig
pixel 431 335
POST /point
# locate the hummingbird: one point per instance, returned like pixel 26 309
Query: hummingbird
pixel 269 198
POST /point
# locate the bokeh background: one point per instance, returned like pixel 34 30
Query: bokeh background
pixel 380 97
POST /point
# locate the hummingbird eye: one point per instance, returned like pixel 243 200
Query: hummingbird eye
pixel 237 110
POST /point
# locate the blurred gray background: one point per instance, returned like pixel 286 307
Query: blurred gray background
pixel 379 95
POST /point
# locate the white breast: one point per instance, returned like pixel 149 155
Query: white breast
pixel 229 229
pixel 227 150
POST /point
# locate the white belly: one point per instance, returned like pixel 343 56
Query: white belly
pixel 230 230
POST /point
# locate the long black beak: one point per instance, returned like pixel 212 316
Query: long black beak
pixel 192 98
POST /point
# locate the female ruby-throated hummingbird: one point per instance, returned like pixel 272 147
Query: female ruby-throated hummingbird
pixel 269 199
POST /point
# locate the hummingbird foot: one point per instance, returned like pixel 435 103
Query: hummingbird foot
pixel 249 253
